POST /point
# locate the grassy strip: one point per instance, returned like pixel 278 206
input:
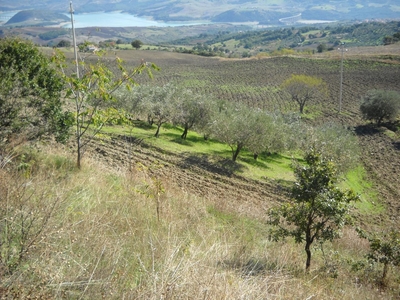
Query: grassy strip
pixel 356 180
pixel 274 166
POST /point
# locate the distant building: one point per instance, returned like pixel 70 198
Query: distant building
pixel 91 48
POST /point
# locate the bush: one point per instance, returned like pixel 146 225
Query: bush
pixel 380 105
pixel 30 93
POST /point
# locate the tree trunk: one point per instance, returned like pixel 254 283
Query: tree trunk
pixel 184 134
pixel 308 251
pixel 78 159
pixel 158 130
pixel 385 272
pixel 236 152
pixel 78 145
pixel 302 107
pixel 150 120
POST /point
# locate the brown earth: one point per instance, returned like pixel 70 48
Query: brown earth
pixel 217 181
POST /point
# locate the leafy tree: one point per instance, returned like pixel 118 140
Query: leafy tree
pixel 157 103
pixel 93 93
pixel 30 93
pixel 380 105
pixel 318 210
pixel 303 88
pixel 334 142
pixel 191 110
pixel 321 48
pixel 240 126
pixel 384 248
pixel 136 44
pixel 64 43
pixel 272 133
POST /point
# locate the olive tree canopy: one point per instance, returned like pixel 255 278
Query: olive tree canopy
pixel 380 105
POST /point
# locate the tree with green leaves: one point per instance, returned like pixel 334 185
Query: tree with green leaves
pixel 380 105
pixel 157 102
pixel 303 89
pixel 318 208
pixel 64 43
pixel 384 249
pixel 241 127
pixel 136 44
pixel 322 48
pixel 30 93
pixel 335 142
pixel 91 88
pixel 191 110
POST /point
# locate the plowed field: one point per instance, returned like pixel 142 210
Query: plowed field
pixel 256 81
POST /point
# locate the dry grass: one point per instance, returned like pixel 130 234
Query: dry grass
pixel 105 240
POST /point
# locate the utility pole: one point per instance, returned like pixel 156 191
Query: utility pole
pixel 78 100
pixel 71 10
pixel 341 77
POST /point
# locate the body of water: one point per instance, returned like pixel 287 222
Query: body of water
pixel 6 15
pixel 118 19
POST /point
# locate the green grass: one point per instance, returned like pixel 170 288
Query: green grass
pixel 356 180
pixel 275 166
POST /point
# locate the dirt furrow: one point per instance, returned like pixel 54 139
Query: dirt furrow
pixel 196 176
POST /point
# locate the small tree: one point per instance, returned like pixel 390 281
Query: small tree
pixel 191 110
pixel 239 126
pixel 64 43
pixel 271 133
pixel 318 210
pixel 321 48
pixel 384 249
pixel 380 105
pixel 303 88
pixel 136 44
pixel 93 94
pixel 334 142
pixel 159 105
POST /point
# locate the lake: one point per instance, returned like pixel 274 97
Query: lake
pixel 109 19
pixel 116 19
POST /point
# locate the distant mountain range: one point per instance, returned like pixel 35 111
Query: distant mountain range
pixel 261 11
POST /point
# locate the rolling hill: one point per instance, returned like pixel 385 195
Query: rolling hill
pixel 38 18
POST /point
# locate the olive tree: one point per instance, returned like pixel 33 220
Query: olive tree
pixel 303 89
pixel 157 102
pixel 191 110
pixel 240 126
pixel 318 208
pixel 30 93
pixel 272 133
pixel 335 142
pixel 380 105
